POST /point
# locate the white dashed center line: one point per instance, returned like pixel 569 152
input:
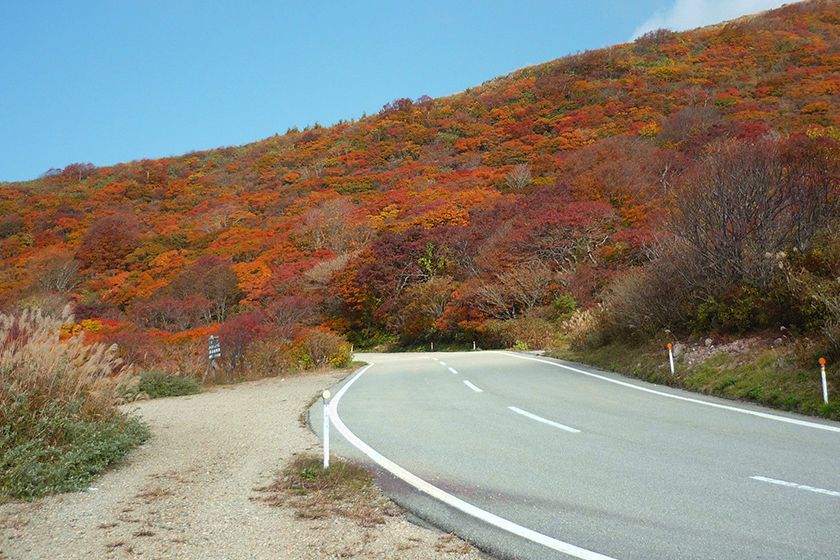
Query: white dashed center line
pixel 473 387
pixel 453 371
pixel 543 420
pixel 797 486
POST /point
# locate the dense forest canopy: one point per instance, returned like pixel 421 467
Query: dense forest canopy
pixel 484 216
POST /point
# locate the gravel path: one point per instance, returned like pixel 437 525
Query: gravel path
pixel 191 491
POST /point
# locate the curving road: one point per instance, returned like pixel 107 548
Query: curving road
pixel 536 458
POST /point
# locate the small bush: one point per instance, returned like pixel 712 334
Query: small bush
pixel 739 311
pixel 237 334
pixel 269 358
pixel 642 302
pixel 157 384
pixel 320 348
pixel 564 306
pixel 55 450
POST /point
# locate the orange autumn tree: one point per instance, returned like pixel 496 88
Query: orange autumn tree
pixel 389 226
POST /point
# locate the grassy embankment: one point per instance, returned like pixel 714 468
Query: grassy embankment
pixel 773 377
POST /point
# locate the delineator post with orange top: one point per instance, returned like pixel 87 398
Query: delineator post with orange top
pixel 671 356
pixel 824 383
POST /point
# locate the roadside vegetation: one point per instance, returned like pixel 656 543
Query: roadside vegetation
pixel 58 424
pixel 60 386
pixel 343 489
pixel 750 369
pixel 157 384
pixel 750 253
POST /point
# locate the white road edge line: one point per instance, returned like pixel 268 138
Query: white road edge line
pixel 453 371
pixel 797 486
pixel 681 398
pixel 473 387
pixel 445 497
pixel 543 420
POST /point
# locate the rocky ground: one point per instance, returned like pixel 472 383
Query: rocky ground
pixel 193 491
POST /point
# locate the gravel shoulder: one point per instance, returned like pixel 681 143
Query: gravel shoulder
pixel 192 491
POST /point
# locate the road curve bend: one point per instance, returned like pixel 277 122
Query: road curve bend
pixel 535 458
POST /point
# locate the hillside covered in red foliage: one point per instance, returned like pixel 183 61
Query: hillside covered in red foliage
pixel 486 215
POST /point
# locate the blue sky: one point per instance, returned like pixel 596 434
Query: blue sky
pixel 111 81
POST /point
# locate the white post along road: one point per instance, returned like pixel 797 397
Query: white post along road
pixel 535 458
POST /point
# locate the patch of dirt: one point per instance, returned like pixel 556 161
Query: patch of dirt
pixel 696 353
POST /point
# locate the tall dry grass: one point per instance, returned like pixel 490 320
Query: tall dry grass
pixel 35 361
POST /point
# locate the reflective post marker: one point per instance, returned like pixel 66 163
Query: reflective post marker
pixel 671 356
pixel 824 383
pixel 326 397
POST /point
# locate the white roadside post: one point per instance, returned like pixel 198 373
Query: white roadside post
pixel 824 382
pixel 671 356
pixel 325 396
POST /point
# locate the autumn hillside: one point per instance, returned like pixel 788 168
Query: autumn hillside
pixel 490 215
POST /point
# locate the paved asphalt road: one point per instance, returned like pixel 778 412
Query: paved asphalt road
pixel 591 465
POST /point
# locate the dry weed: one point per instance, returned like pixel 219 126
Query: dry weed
pixel 343 490
pixel 153 493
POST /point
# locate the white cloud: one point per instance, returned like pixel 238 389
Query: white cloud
pixel 688 14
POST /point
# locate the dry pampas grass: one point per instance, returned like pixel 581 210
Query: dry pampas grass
pixel 37 363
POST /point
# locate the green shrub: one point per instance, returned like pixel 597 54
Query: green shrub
pixel 157 384
pixel 564 305
pixel 372 339
pixel 738 311
pixel 54 449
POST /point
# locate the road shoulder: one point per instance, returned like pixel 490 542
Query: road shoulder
pixel 193 491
